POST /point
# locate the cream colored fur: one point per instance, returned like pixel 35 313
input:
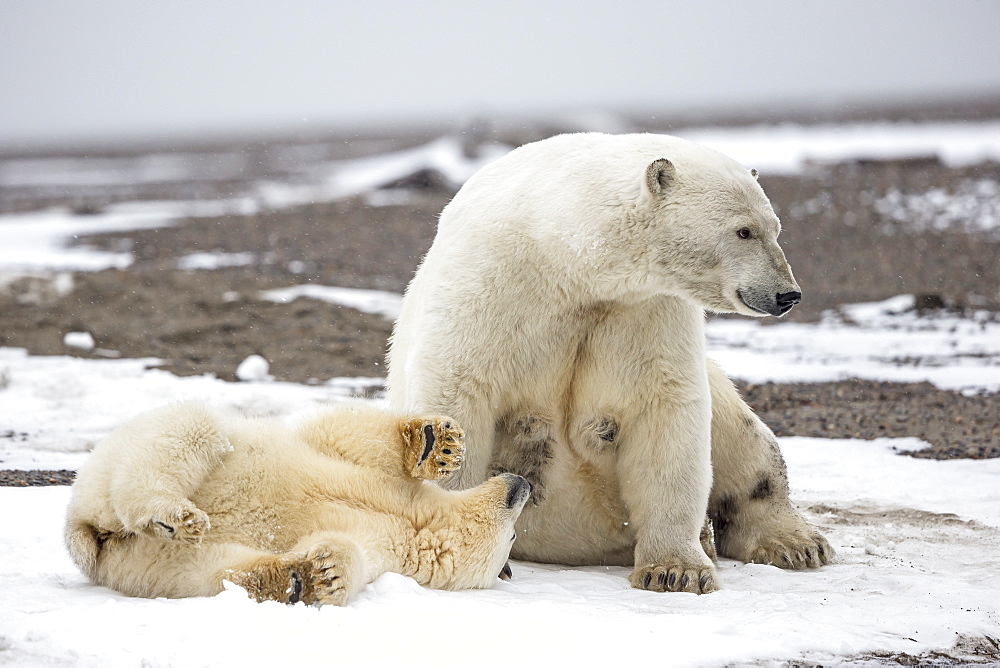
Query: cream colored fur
pixel 180 499
pixel 572 276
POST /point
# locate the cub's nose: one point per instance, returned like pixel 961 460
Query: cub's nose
pixel 518 490
pixel 786 300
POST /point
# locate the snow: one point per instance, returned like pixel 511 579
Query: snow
pixel 791 148
pixel 377 302
pixel 254 368
pixel 81 340
pixel 39 240
pixel 916 543
pixel 885 340
pixel 917 539
pixel 972 207
pixel 209 261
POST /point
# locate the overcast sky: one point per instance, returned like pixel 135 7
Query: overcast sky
pixel 89 68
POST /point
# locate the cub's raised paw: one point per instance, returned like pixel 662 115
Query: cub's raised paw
pixel 183 522
pixel 693 578
pixel 434 447
pixel 794 552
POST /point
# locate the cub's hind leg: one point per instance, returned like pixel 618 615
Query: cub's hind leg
pixel 324 569
pixel 139 479
pixel 162 459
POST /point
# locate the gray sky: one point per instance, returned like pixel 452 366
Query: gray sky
pixel 88 68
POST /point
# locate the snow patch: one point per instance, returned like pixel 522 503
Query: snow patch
pixel 377 302
pixel 972 206
pixel 885 340
pixel 210 261
pixel 254 368
pixel 789 149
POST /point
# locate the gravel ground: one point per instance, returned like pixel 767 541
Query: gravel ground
pixel 843 240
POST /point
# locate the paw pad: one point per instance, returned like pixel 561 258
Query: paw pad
pixel 434 447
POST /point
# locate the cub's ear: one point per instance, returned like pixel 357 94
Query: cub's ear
pixel 754 173
pixel 659 174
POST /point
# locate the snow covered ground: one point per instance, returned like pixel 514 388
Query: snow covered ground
pixel 917 539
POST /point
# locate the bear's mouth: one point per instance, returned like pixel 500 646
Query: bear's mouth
pixel 743 300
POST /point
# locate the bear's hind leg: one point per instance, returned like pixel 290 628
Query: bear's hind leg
pixel 753 518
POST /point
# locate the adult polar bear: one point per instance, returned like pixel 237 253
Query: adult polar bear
pixel 559 317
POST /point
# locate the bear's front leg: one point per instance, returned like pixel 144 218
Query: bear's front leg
pixel 664 467
pixel 434 447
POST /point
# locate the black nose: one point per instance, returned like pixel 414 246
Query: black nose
pixel 786 300
pixel 518 489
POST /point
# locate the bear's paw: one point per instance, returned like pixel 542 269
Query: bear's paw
pixel 184 522
pixel 435 447
pixel 693 578
pixel 325 576
pixel 795 551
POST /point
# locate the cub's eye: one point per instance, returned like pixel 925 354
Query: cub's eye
pixel 745 233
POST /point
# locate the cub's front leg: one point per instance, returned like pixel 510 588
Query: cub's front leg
pixel 664 467
pixel 433 447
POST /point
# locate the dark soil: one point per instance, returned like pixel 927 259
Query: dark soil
pixel 841 248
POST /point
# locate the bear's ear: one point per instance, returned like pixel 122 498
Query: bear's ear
pixel 659 174
pixel 753 173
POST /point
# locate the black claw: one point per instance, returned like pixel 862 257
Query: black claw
pixel 703 582
pixel 446 451
pixel 296 594
pixel 649 578
pixel 167 527
pixel 428 444
pixel 505 572
pixel 672 580
pixel 685 579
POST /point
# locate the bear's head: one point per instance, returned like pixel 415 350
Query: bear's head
pixel 716 235
pixel 467 547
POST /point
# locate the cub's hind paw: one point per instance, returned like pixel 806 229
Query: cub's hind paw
pixel 434 447
pixel 184 523
pixel 328 573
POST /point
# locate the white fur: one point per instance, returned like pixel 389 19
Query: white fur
pixel 180 499
pixel 565 289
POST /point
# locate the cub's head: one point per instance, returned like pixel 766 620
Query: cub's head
pixel 716 235
pixel 478 533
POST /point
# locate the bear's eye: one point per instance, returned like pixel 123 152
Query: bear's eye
pixel 745 233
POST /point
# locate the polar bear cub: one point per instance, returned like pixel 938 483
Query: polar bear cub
pixel 180 499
